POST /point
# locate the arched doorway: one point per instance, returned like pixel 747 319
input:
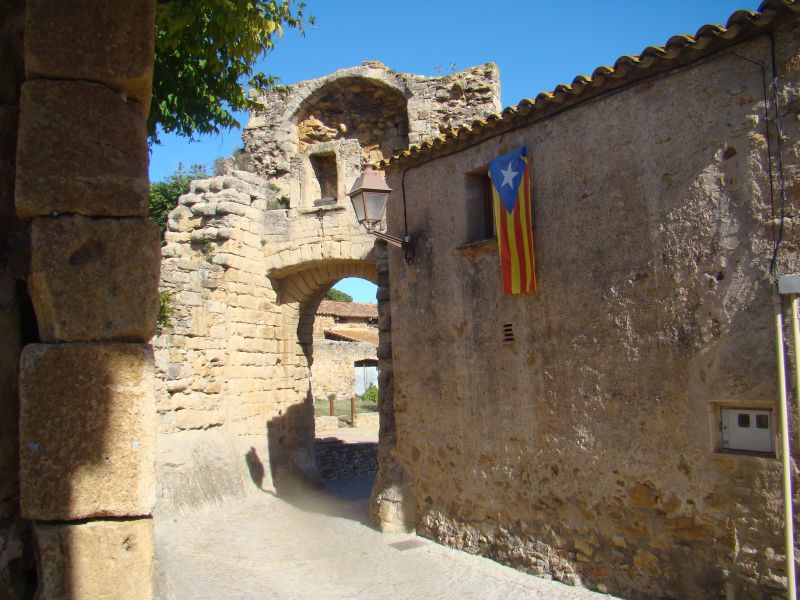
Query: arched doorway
pixel 291 434
pixel 344 365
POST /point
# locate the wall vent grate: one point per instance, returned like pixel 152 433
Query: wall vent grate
pixel 508 332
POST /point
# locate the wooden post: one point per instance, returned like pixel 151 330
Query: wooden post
pixel 352 411
pixel 331 399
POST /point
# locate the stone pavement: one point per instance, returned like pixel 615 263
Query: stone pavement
pixel 320 547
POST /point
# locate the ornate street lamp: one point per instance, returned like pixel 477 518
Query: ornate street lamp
pixel 368 195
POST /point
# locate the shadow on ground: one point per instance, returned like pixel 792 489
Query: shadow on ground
pixel 345 497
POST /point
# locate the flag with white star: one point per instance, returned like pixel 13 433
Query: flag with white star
pixel 513 217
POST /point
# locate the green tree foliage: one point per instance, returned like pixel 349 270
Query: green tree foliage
pixel 337 296
pixel 205 51
pixel 370 394
pixel 164 194
pixel 166 310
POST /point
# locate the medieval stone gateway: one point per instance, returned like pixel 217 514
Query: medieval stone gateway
pixel 578 432
pixel 249 255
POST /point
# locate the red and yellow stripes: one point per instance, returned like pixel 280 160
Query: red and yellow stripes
pixel 515 239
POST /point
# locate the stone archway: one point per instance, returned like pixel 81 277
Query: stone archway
pixel 299 289
pixel 247 253
pixel 233 368
pixel 219 365
pixel 371 111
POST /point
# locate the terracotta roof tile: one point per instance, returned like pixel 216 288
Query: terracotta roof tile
pixel 348 309
pixel 740 25
pixel 369 336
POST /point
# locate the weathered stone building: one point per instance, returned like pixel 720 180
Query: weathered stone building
pixel 249 255
pixel 345 348
pixel 577 432
pixel 583 448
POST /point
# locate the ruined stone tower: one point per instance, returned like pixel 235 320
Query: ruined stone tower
pixel 250 253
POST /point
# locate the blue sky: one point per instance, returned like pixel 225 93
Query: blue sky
pixel 536 45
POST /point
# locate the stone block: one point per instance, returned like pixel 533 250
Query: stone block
pixel 94 279
pixel 367 420
pixel 10 346
pixel 12 23
pixel 107 41
pixel 82 149
pixel 326 423
pixel 8 134
pixel 87 430
pixel 101 560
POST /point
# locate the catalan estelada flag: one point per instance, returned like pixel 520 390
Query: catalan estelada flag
pixel 511 196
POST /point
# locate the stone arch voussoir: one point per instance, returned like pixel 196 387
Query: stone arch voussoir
pixel 304 281
pixel 303 95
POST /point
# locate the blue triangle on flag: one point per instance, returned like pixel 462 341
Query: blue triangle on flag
pixel 506 172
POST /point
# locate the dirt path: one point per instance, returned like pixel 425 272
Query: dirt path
pixel 321 548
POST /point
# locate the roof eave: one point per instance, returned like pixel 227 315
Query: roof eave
pixel 678 51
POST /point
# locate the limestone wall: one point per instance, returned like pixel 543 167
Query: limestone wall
pixel 382 110
pixel 235 375
pixel 248 257
pixel 333 371
pixel 586 448
pixel 321 323
pixel 392 506
pixel 73 150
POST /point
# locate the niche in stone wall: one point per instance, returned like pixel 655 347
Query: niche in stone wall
pixel 321 175
pixel 324 187
pixel 355 108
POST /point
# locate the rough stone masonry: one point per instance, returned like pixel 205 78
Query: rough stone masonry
pixel 75 85
pixel 249 255
pixel 576 432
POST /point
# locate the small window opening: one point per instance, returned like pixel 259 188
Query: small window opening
pixel 480 211
pixel 747 430
pixel 489 226
pixel 324 167
pixel 508 332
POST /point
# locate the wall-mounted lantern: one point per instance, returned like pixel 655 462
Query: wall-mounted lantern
pixel 369 195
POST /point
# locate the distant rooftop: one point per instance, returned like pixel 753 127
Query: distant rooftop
pixel 348 309
pixel 369 335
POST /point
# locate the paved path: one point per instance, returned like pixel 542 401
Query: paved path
pixel 321 549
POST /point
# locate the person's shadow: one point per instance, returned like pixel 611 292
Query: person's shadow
pixel 345 498
pixel 256 468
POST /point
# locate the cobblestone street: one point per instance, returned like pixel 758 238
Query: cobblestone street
pixel 321 548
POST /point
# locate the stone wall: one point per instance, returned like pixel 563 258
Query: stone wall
pixel 338 460
pixel 248 257
pixel 367 420
pixel 400 109
pixel 321 323
pixel 333 371
pixel 232 365
pixel 78 172
pixel 392 507
pixel 585 448
pixel 325 423
pixel 17 575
